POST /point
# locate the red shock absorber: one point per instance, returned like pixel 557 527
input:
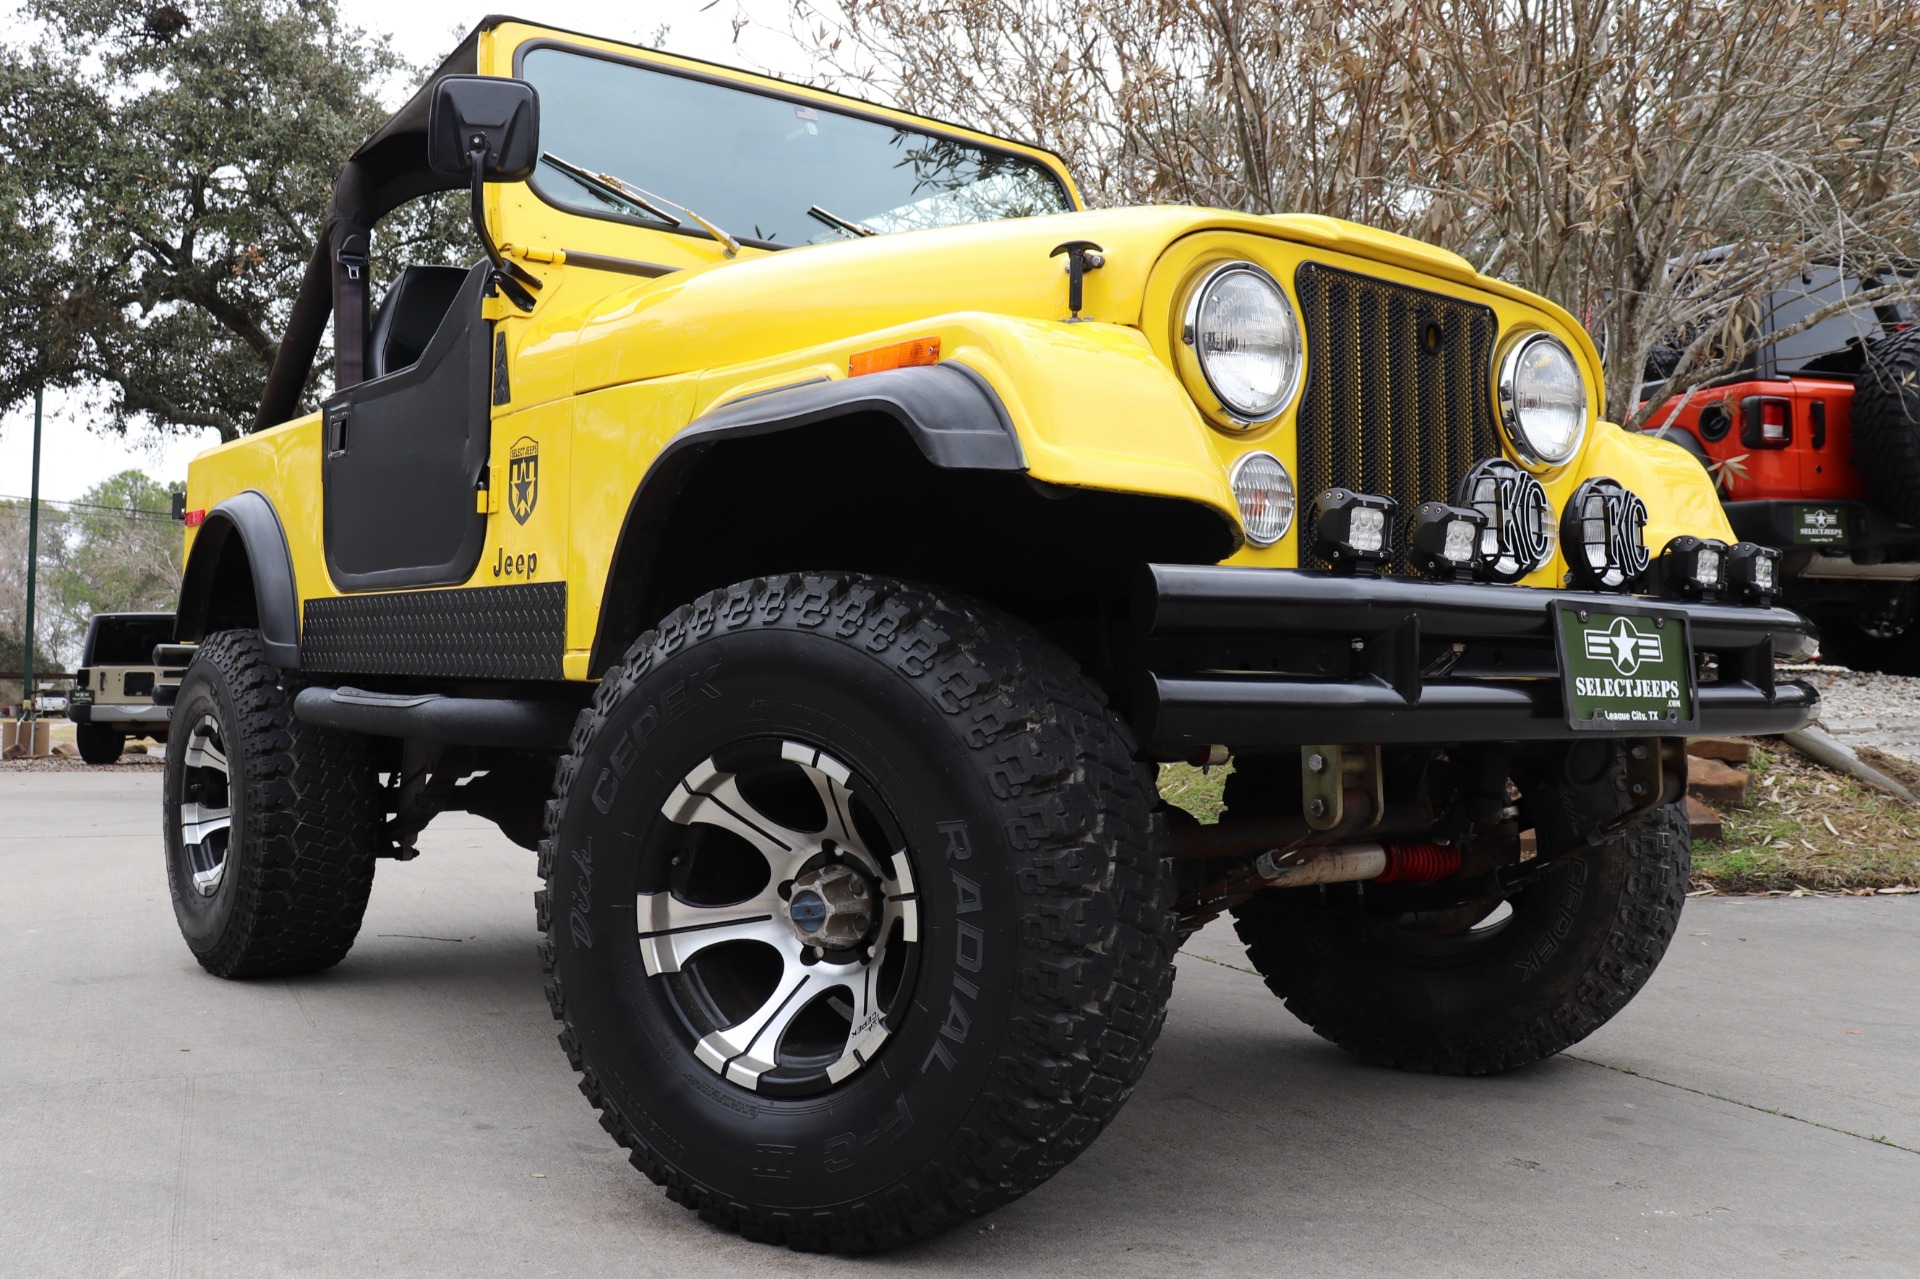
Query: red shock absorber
pixel 1418 863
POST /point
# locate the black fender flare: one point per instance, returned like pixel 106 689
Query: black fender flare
pixel 950 412
pixel 250 517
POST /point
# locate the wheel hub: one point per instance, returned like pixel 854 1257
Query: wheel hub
pixel 832 907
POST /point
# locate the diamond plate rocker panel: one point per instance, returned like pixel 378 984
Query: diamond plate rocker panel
pixel 485 632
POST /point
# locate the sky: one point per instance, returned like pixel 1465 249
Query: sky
pixel 74 458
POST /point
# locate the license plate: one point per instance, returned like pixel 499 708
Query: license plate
pixel 1625 668
pixel 1820 525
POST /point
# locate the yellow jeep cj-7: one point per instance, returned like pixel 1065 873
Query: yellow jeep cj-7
pixel 810 530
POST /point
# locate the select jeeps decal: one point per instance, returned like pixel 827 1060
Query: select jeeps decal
pixel 523 477
pixel 1623 669
pixel 1819 525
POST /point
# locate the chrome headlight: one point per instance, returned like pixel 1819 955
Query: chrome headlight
pixel 1242 338
pixel 1543 399
pixel 1264 492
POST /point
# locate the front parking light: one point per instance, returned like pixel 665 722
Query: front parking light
pixel 1264 493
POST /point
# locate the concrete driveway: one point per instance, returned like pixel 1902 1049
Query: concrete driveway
pixel 1756 1111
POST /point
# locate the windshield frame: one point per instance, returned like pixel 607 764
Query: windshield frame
pixel 851 107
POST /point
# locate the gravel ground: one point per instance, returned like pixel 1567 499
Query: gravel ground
pixel 1867 710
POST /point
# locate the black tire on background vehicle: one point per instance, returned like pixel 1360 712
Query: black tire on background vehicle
pixel 98 743
pixel 1474 996
pixel 272 825
pixel 1886 422
pixel 945 794
pixel 1844 642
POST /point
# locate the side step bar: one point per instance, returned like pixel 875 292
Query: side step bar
pixel 513 723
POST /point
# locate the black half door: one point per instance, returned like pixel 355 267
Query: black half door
pixel 404 454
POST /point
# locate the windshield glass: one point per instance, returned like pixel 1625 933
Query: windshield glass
pixel 765 168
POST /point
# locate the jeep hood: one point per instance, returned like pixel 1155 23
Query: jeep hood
pixel 750 309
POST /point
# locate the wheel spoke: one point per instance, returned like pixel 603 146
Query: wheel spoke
pixel 207 882
pixel 829 777
pixel 710 797
pixel 197 821
pixel 746 1050
pixel 206 753
pixel 673 931
pixel 857 1000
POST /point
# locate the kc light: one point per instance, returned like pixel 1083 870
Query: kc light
pixel 1694 567
pixel 1520 533
pixel 1543 399
pixel 1603 533
pixel 1354 532
pixel 1753 572
pixel 1264 492
pixel 1445 542
pixel 1241 339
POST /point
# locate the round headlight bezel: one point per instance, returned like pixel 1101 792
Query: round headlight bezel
pixel 1254 535
pixel 1220 410
pixel 1506 392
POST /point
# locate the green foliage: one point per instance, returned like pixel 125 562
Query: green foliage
pixel 164 172
pixel 123 551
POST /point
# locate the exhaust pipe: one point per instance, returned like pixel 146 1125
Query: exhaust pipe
pixel 1352 863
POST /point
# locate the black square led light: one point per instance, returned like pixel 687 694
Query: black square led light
pixel 1693 568
pixel 1753 573
pixel 1355 532
pixel 1445 540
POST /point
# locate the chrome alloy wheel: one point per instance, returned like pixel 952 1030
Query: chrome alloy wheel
pixel 206 807
pixel 787 929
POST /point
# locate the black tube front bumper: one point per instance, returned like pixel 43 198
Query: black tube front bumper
pixel 1265 659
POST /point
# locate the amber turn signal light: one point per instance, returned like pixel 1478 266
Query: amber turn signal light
pixel 911 354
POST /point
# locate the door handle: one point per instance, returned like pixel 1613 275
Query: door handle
pixel 337 429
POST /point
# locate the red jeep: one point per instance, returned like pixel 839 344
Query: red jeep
pixel 1816 449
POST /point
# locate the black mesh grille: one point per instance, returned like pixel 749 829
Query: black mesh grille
pixel 1398 400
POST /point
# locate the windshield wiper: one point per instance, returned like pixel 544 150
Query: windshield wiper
pixel 638 198
pixel 839 223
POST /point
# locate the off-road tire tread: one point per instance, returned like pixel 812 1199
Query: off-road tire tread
pixel 313 796
pixel 1084 1026
pixel 1648 913
pixel 1886 422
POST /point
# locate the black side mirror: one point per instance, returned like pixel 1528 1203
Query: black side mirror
pixel 487 129
pixel 496 119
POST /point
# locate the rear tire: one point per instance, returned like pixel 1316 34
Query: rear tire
pixel 272 825
pixel 998 1012
pixel 99 744
pixel 1844 643
pixel 1579 943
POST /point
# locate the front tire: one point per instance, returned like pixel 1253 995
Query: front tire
pixel 1490 994
pixel 948 797
pixel 272 825
pixel 99 744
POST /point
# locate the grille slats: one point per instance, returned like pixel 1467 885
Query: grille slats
pixel 1398 399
